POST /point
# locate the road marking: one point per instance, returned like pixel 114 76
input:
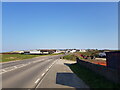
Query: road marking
pixel 10 70
pixel 37 80
pixel 47 70
pixel 43 74
pixel 22 65
pixel 4 70
pixel 29 62
pixel 49 67
pixel 15 67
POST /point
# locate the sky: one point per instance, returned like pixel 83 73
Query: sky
pixel 36 25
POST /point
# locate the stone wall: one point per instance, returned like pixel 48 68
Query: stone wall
pixel 107 72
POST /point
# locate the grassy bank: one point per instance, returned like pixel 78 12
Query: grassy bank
pixel 70 57
pixel 91 78
pixel 56 54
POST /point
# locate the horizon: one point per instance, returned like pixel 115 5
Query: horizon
pixel 30 25
pixel 61 48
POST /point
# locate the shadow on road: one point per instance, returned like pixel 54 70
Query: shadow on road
pixel 68 79
pixel 67 64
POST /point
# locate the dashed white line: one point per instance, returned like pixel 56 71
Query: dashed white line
pixel 4 70
pixel 49 67
pixel 15 67
pixel 47 70
pixel 43 74
pixel 37 80
pixel 22 65
pixel 10 70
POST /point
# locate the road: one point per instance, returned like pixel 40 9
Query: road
pixel 61 76
pixel 26 73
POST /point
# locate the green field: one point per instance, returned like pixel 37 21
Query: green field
pixel 91 78
pixel 70 57
pixel 12 57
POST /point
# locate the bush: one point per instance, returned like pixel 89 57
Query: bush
pixel 70 57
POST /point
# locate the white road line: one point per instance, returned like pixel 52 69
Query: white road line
pixel 37 80
pixel 15 67
pixel 49 67
pixel 43 74
pixel 29 62
pixel 10 70
pixel 4 70
pixel 21 66
pixel 24 64
pixel 47 70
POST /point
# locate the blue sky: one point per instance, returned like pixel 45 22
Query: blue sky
pixel 29 25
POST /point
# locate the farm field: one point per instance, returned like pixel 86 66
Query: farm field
pixel 12 57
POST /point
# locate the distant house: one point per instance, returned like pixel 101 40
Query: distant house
pixel 47 51
pixel 26 52
pixel 43 51
pixel 57 51
pixel 35 52
pixel 67 51
pixel 82 50
pixel 72 51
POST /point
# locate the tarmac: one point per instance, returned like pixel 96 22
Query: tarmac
pixel 61 76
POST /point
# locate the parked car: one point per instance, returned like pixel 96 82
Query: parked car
pixel 102 54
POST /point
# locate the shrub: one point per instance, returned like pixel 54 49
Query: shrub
pixel 70 57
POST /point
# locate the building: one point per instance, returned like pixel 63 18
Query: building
pixel 57 51
pixel 35 52
pixel 82 50
pixel 72 51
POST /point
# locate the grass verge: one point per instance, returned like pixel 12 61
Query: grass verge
pixel 70 57
pixel 92 79
pixel 13 57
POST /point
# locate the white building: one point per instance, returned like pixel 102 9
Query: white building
pixel 82 50
pixel 57 51
pixel 72 51
pixel 35 52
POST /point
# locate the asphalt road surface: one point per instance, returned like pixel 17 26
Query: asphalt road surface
pixel 26 73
